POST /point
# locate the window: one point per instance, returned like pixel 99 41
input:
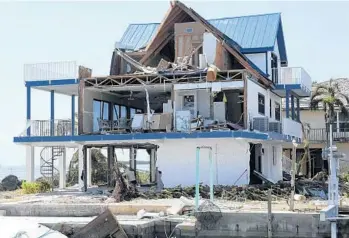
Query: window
pixel 261 104
pixel 123 111
pixel 277 111
pixel 116 112
pixel 270 112
pixel 100 110
pixel 132 112
pixel 274 68
pixel 189 30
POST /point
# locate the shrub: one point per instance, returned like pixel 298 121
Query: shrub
pixel 36 187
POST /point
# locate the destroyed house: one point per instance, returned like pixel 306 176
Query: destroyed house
pixel 180 85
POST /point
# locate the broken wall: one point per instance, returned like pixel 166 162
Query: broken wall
pixel 90 95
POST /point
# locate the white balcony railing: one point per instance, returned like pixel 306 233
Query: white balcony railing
pixel 291 128
pixel 292 75
pixel 50 71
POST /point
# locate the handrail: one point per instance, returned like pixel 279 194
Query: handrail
pixel 61 127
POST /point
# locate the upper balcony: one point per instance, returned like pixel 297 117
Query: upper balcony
pixel 61 77
pixel 293 79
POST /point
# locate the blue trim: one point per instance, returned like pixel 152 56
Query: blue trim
pixel 266 62
pixel 28 108
pixel 292 106
pixel 52 117
pixel 144 136
pixel 287 103
pixel 73 114
pixel 55 82
pixel 256 50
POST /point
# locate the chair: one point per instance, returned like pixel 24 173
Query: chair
pixel 104 125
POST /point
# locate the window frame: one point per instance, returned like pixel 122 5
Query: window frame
pixel 277 112
pixel 261 105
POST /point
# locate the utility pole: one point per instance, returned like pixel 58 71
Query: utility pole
pixel 333 186
pixel 293 174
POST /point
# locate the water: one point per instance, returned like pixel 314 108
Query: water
pixel 19 171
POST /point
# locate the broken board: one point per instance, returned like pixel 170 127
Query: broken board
pixel 105 225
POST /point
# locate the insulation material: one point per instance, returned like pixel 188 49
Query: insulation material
pixel 187 35
pixel 211 73
pixel 209 47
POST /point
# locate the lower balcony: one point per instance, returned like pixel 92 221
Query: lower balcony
pixel 319 135
pixel 59 127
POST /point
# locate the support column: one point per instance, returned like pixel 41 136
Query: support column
pixel 28 109
pixel 153 166
pixel 52 117
pixel 292 107
pixel 338 121
pixel 89 167
pixel 110 161
pixel 287 104
pixel 298 111
pixel 63 169
pixel 81 167
pixel 30 163
pixel 73 115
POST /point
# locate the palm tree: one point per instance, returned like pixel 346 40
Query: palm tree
pixel 331 98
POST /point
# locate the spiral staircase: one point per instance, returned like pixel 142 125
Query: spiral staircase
pixel 48 157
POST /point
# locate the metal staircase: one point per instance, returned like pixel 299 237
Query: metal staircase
pixel 48 157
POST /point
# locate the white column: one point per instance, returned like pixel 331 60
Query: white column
pixel 30 163
pixel 62 169
pixel 89 168
pixel 81 167
pixel 338 121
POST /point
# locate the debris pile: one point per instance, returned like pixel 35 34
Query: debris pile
pixel 251 192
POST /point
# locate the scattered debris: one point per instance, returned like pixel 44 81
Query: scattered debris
pixel 105 225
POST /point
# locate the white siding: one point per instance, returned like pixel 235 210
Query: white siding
pixel 272 166
pixel 252 100
pixel 259 60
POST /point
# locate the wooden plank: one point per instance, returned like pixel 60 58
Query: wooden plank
pixel 105 225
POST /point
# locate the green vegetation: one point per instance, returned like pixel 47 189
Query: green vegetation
pixel 36 187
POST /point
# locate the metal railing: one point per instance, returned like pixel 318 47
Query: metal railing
pixel 291 75
pixel 59 127
pixel 318 135
pixel 50 71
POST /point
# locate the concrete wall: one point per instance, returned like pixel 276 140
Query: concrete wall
pixel 314 118
pixel 177 161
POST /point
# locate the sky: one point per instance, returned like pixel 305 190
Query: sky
pixel 35 32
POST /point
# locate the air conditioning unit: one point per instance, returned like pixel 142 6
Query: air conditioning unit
pixel 261 124
pixel 275 127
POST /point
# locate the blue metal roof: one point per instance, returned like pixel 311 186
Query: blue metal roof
pixel 255 33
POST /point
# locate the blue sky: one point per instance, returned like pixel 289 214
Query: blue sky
pixel 315 33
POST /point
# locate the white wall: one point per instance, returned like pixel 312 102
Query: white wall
pixel 202 100
pixel 272 167
pixel 259 60
pixel 231 157
pixel 252 100
pixel 176 160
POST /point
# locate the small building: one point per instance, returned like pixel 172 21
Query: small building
pixel 185 83
pixel 317 132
